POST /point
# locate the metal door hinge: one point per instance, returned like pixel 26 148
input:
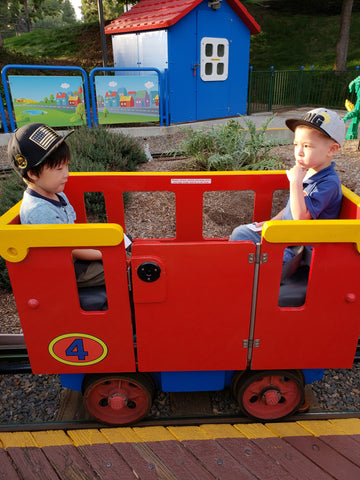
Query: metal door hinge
pixel 264 258
pixel 251 258
pixel 256 343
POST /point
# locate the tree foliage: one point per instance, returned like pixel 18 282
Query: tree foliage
pixel 112 9
pixel 306 7
pixel 20 16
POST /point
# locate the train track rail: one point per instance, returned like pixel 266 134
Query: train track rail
pixel 171 421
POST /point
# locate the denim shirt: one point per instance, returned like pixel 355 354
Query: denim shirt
pixel 36 209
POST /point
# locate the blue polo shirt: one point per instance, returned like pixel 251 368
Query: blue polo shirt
pixel 323 195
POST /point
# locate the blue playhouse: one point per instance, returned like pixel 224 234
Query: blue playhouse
pixel 200 47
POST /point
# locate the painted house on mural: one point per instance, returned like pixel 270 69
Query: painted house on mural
pixel 142 99
pixel 111 99
pixel 74 100
pixel 126 101
pixel 62 98
pixel 201 47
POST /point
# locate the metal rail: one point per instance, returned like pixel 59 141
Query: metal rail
pixel 171 421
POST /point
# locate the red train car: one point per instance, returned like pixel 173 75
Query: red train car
pixel 187 313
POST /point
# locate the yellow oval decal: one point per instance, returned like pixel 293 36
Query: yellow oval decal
pixel 78 349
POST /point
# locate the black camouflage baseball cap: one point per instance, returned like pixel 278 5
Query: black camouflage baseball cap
pixel 32 144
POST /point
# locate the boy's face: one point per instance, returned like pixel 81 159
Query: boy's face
pixel 51 180
pixel 312 149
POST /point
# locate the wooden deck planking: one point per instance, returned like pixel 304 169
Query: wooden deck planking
pixel 275 451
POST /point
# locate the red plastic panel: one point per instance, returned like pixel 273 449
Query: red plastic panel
pixel 197 314
pixel 159 14
pixel 323 333
pixel 188 189
pixel 52 321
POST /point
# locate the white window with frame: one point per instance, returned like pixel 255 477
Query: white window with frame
pixel 214 59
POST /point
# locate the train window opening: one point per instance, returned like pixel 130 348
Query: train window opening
pixel 279 200
pixel 295 276
pixel 143 208
pixel 95 207
pixel 93 299
pixel 90 284
pixel 225 210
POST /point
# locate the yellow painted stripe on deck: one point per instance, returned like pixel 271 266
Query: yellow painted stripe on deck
pixel 321 427
pixel 86 437
pixel 121 435
pixel 351 426
pixel 189 433
pixel 290 429
pixel 222 431
pixel 51 438
pixel 153 434
pixel 17 439
pixel 255 430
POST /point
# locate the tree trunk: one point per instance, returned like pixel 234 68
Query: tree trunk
pixel 27 16
pixel 343 41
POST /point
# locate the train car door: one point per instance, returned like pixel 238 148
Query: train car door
pixel 323 331
pixel 192 304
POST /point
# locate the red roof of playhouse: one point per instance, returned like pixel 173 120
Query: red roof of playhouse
pixel 158 14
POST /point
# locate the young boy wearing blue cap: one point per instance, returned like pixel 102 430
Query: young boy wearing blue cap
pixel 315 188
pixel 41 157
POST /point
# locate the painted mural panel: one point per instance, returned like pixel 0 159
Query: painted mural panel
pixel 56 101
pixel 127 98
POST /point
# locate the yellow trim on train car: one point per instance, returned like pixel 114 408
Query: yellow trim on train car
pixel 179 174
pixel 351 196
pixel 10 214
pixel 315 231
pixel 312 231
pixel 15 240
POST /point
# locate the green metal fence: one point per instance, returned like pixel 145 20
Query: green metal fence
pixel 278 90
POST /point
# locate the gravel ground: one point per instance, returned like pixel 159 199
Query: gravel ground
pixel 35 398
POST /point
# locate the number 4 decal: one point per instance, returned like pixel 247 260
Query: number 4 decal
pixel 76 349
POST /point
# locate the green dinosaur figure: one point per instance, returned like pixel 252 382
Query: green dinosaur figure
pixel 354 112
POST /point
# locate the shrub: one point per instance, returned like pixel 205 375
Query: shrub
pixel 230 147
pixel 99 146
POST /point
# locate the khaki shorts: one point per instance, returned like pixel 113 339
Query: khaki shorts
pixel 93 276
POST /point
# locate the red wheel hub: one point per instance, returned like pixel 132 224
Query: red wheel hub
pixel 270 395
pixel 117 401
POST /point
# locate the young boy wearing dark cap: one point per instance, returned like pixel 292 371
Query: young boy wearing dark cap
pixel 315 188
pixel 41 157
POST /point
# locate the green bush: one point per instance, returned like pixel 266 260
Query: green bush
pixel 95 150
pixel 98 146
pixel 230 147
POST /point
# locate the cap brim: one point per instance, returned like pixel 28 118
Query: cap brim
pixel 292 123
pixel 57 144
